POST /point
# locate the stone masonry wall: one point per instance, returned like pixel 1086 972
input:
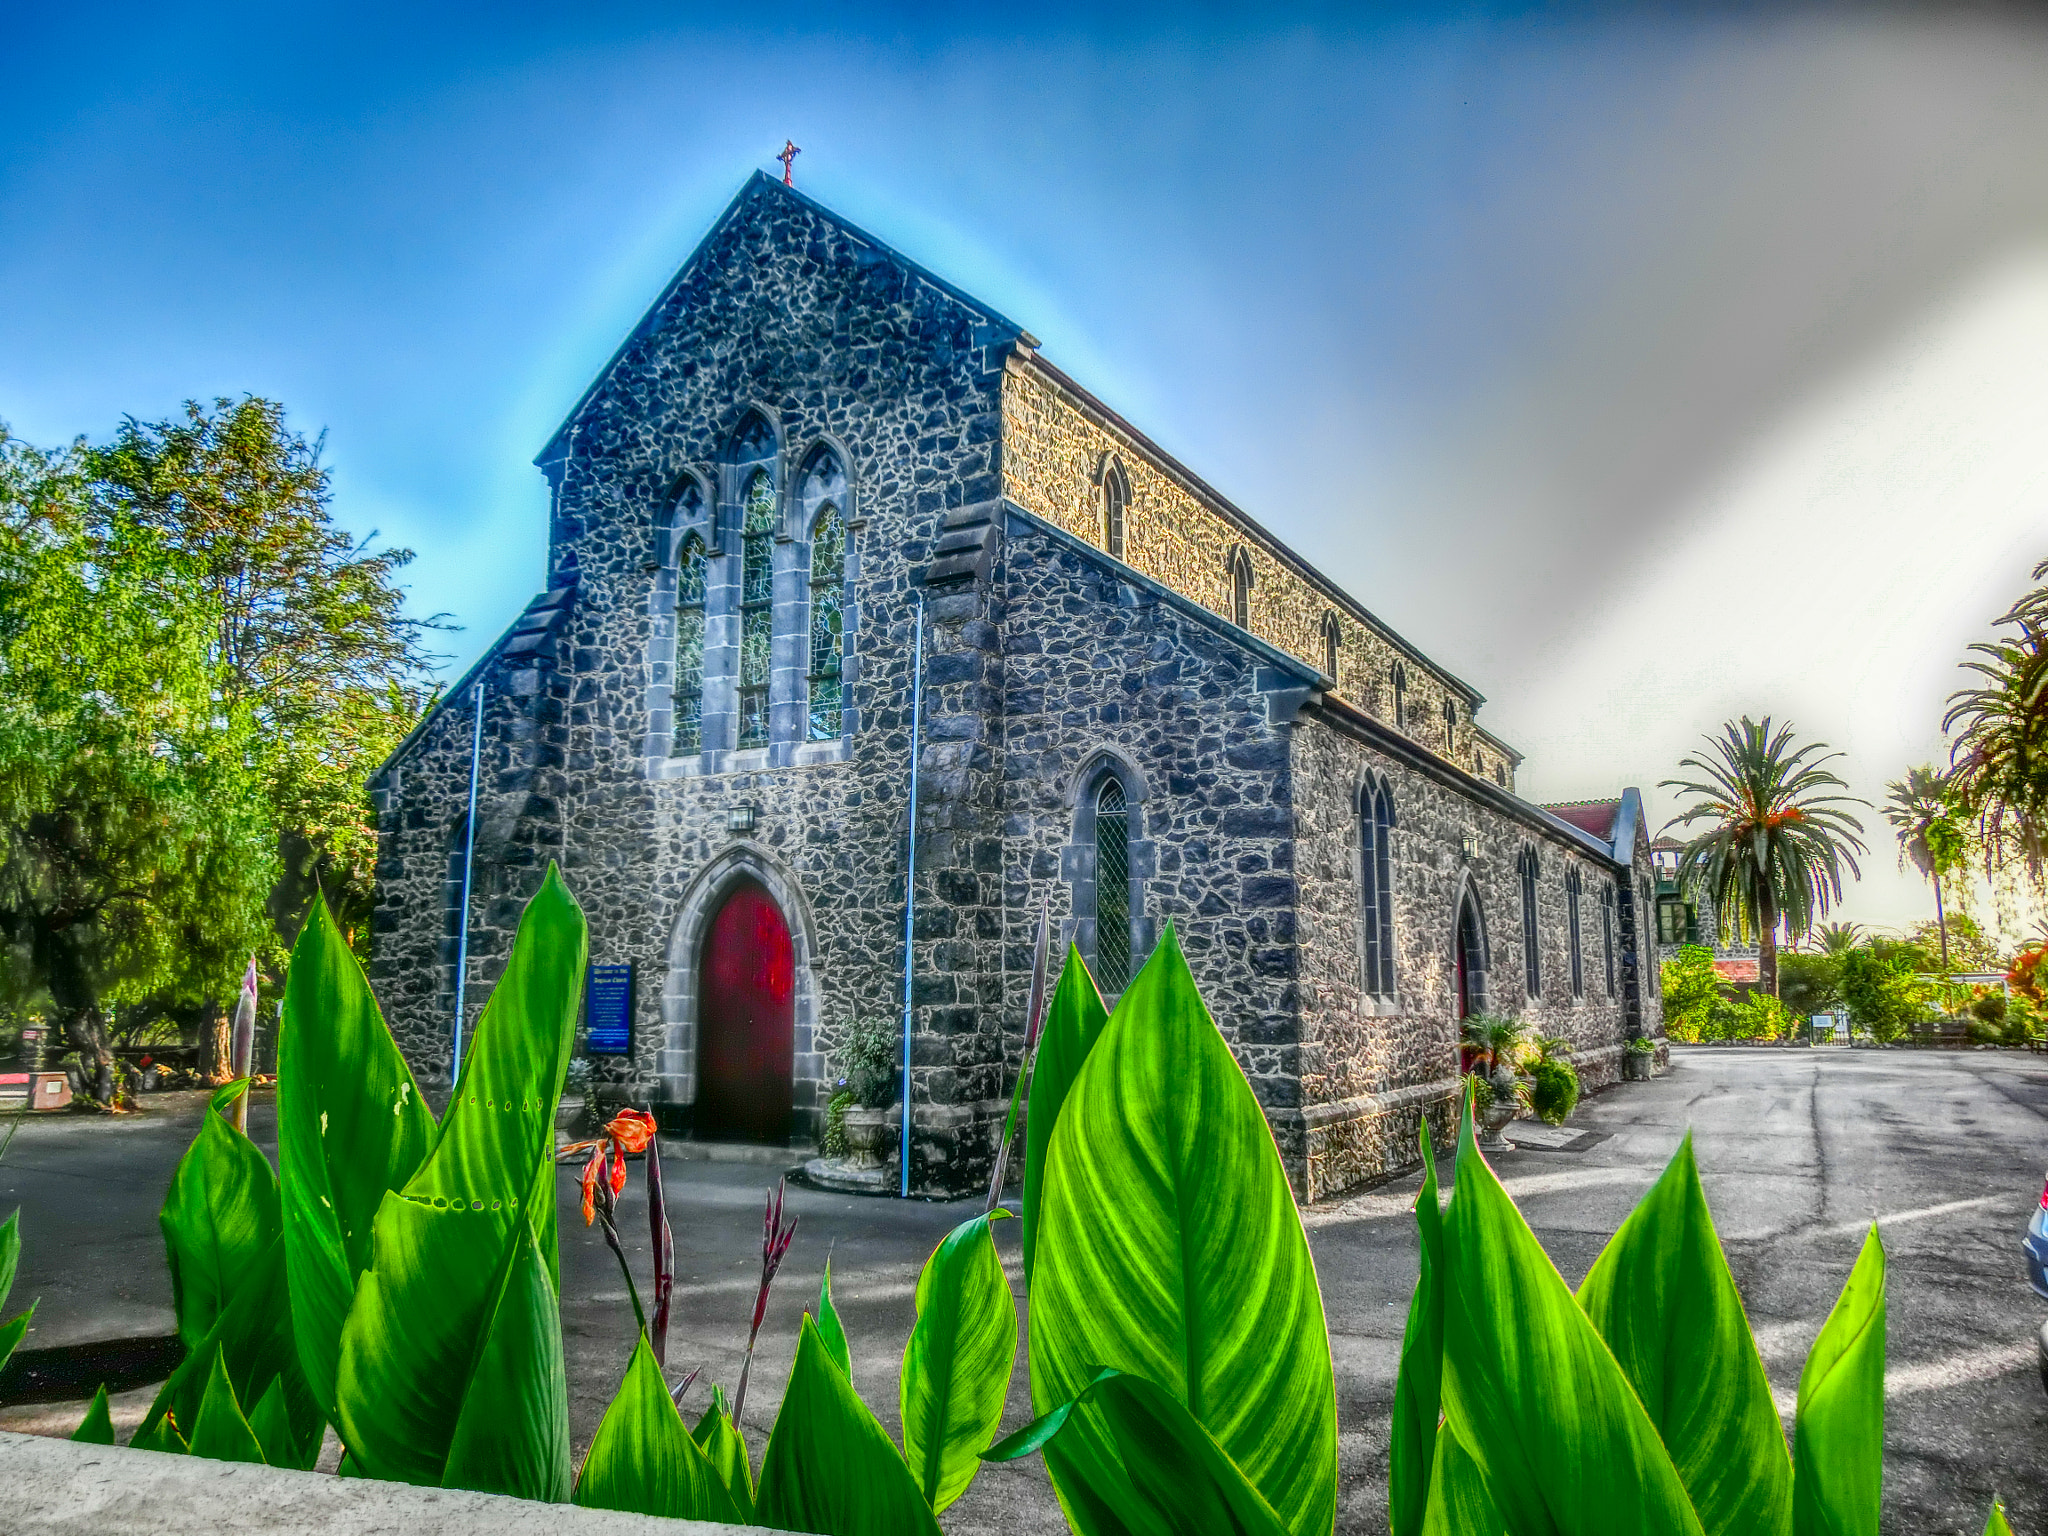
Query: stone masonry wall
pixel 1370 1075
pixel 1055 442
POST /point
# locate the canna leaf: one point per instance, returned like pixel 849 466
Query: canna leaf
pixel 449 1251
pixel 1459 1503
pixel 161 1436
pixel 1171 1249
pixel 726 1449
pixel 1073 1023
pixel 830 1467
pixel 272 1425
pixel 957 1365
pixel 351 1125
pixel 221 1213
pixel 1418 1388
pixel 97 1427
pixel 1838 1429
pixel 829 1330
pixel 643 1460
pixel 1176 1478
pixel 1661 1295
pixel 221 1433
pixel 15 1328
pixel 1531 1390
pixel 1994 1523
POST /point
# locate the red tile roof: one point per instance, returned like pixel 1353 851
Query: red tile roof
pixel 1594 816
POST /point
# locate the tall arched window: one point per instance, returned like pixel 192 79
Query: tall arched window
pixel 757 606
pixel 1116 501
pixel 1450 724
pixel 828 641
pixel 1376 888
pixel 1532 954
pixel 1400 697
pixel 689 664
pixel 1607 932
pixel 1470 960
pixel 1112 887
pixel 1333 646
pixel 1241 589
pixel 1571 906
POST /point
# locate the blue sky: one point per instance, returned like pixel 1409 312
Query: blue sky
pixel 1645 366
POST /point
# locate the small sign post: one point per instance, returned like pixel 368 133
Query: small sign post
pixel 608 1011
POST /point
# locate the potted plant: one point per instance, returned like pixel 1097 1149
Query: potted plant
pixel 1639 1061
pixel 871 1072
pixel 1495 1042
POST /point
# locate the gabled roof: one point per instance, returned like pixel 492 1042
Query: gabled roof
pixel 758 186
pixel 1594 816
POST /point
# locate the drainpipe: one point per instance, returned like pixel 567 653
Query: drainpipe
pixel 476 750
pixel 910 877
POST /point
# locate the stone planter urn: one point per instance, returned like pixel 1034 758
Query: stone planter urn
pixel 1638 1066
pixel 1499 1114
pixel 867 1138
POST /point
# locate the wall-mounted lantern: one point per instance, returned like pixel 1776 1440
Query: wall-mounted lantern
pixel 739 818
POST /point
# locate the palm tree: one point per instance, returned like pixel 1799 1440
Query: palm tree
pixel 1774 846
pixel 1837 939
pixel 1928 835
pixel 1999 773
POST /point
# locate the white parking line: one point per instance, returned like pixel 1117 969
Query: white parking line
pixel 1900 1218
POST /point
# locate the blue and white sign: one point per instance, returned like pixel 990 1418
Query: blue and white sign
pixel 608 1011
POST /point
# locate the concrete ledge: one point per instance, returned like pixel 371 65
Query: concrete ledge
pixel 99 1490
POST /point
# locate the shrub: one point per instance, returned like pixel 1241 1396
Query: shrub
pixel 1691 987
pixel 873 1050
pixel 1809 983
pixel 1556 1091
pixel 833 1142
pixel 1882 995
pixel 1991 1007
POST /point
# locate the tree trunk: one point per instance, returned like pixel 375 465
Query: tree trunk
pixel 215 1044
pixel 1767 953
pixel 1941 922
pixel 88 1036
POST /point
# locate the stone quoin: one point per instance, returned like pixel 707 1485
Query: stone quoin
pixel 1139 707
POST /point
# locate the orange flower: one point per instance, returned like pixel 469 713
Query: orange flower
pixel 627 1133
pixel 631 1131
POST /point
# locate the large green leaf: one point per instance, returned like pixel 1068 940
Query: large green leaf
pixel 956 1368
pixel 1662 1297
pixel 252 1339
pixel 512 1435
pixel 1995 1523
pixel 15 1328
pixel 1530 1388
pixel 1073 1023
pixel 442 1271
pixel 829 1327
pixel 830 1467
pixel 97 1427
pixel 1171 1250
pixel 726 1449
pixel 271 1422
pixel 1175 1477
pixel 643 1459
pixel 350 1126
pixel 221 1212
pixel 1838 1429
pixel 1459 1503
pixel 1418 1388
pixel 221 1433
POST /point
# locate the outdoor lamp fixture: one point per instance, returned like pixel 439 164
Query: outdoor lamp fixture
pixel 1468 845
pixel 739 818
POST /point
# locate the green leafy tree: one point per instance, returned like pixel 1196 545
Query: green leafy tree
pixel 1970 948
pixel 1775 840
pixel 1882 992
pixel 1691 986
pixel 134 845
pixel 1999 752
pixel 1931 835
pixel 1810 983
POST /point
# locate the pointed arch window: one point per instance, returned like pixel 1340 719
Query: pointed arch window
pixel 1116 502
pixel 691 569
pixel 1400 697
pixel 1241 589
pixel 1607 932
pixel 828 612
pixel 1450 724
pixel 1529 868
pixel 757 607
pixel 1376 888
pixel 1112 887
pixel 1333 646
pixel 1572 890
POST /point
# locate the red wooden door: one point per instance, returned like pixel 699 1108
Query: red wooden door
pixel 746 1021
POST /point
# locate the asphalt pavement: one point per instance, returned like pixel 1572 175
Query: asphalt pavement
pixel 1799 1150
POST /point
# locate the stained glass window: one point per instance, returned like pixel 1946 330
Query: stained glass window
pixel 757 607
pixel 1376 889
pixel 1112 888
pixel 689 664
pixel 828 639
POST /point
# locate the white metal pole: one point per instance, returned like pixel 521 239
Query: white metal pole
pixel 910 878
pixel 476 749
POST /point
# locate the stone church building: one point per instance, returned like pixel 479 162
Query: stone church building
pixel 1138 705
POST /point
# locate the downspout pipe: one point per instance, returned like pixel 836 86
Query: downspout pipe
pixel 476 752
pixel 910 878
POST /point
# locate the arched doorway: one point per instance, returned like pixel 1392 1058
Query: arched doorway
pixel 1471 948
pixel 746 1020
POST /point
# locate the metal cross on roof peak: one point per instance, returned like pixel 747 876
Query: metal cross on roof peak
pixel 788 159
